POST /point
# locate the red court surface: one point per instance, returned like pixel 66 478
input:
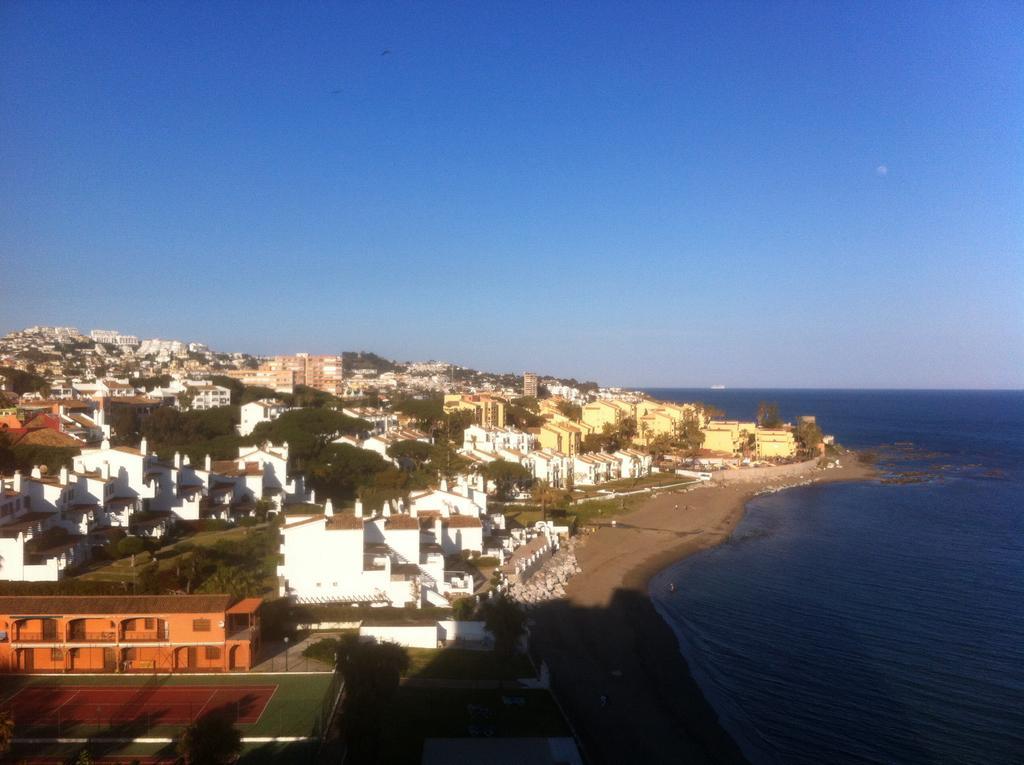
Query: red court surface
pixel 65 705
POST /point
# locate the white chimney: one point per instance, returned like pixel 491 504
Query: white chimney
pixel 359 508
pixel 329 508
pixel 17 481
pixel 105 471
pixel 144 445
pixel 177 459
pixel 105 444
pixel 208 463
pixel 37 473
pixel 444 484
pixel 413 511
pixel 63 476
pixel 386 511
pixel 312 496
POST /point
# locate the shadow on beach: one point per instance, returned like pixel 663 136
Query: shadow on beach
pixel 652 710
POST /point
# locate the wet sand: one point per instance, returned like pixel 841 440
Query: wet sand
pixel 606 639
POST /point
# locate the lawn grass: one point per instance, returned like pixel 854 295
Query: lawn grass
pixel 167 557
pixel 653 480
pixel 292 711
pixel 415 714
pixel 462 664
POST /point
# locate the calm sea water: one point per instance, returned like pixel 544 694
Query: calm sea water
pixel 870 623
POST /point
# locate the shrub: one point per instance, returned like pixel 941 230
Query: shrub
pixel 463 609
pixel 130 546
pixel 325 650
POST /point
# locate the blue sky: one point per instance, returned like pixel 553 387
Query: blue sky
pixel 754 194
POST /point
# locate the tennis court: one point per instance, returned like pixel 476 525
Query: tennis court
pixel 66 705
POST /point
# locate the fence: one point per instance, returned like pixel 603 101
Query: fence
pixel 329 706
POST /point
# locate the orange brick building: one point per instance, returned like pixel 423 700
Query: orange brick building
pixel 130 633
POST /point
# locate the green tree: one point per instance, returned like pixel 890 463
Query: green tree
pixel 808 436
pixel 210 740
pixel 256 393
pixel 546 495
pixel 463 609
pixel 687 435
pixel 523 413
pixel 372 673
pixel 308 432
pixel 661 444
pixel 446 461
pixel 22 382
pixel 571 410
pixel 626 430
pixel 428 413
pixel 148 580
pixel 237 581
pixel 410 452
pixel 6 730
pixel 506 621
pixel 130 546
pixel 339 470
pixel 768 415
pixel 507 476
pixel 185 399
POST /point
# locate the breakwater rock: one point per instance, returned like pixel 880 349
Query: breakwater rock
pixel 549 581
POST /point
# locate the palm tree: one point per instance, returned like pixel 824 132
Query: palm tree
pixel 506 621
pixel 6 730
pixel 210 740
pixel 372 672
pixel 544 493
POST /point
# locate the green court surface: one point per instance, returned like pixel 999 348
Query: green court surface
pixel 296 708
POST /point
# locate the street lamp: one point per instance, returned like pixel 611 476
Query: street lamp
pixel 286 654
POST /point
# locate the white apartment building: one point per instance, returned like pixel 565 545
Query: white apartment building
pixel 634 463
pixel 255 412
pixel 113 337
pixel 394 557
pixel 486 439
pixel 51 522
pixel 206 395
pixel 594 468
pixel 551 466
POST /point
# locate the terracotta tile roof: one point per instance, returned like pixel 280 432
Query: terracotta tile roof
pixel 113 604
pixel 44 437
pixel 462 522
pixel 400 522
pixel 344 522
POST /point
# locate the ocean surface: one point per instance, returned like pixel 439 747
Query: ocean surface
pixel 870 622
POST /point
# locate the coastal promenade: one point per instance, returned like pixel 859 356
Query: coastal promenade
pixel 615 664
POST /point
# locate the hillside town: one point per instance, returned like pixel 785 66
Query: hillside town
pixel 169 500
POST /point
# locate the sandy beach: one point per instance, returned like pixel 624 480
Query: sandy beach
pixel 606 639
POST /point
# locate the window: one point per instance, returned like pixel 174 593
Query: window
pixel 200 625
pixel 149 624
pixel 212 652
pixel 56 654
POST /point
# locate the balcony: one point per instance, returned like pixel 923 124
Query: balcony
pixel 35 637
pixel 152 636
pixel 92 637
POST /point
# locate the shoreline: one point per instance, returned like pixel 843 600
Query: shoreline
pixel 606 637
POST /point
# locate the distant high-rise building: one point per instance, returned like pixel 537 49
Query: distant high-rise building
pixel 320 372
pixel 530 384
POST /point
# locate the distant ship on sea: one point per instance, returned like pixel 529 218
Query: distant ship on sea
pixel 717 387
